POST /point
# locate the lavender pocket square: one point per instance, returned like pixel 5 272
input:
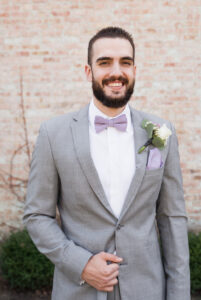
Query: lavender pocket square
pixel 154 159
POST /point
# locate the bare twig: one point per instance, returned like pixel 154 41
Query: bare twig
pixel 9 181
pixel 24 120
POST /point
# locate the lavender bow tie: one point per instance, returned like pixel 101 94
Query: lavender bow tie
pixel 119 123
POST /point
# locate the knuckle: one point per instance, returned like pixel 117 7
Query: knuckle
pixel 106 272
pixel 105 281
pixel 110 289
pixel 100 287
pixel 114 271
pixel 115 266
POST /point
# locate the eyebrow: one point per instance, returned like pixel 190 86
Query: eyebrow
pixel 109 58
pixel 127 58
pixel 103 58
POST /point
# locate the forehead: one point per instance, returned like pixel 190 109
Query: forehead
pixel 111 47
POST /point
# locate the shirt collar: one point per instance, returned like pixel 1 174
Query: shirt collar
pixel 94 111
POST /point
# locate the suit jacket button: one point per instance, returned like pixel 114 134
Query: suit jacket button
pixel 119 226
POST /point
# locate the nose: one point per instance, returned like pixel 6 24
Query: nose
pixel 116 69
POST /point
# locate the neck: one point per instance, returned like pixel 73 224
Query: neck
pixel 108 111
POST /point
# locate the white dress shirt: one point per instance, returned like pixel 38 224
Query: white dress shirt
pixel 113 155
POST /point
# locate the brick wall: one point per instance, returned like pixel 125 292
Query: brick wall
pixel 45 42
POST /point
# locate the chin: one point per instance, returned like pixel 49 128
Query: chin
pixel 116 96
pixel 113 99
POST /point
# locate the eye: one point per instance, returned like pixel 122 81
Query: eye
pixel 127 63
pixel 103 63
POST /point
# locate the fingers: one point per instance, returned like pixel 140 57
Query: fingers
pixel 101 275
pixel 112 267
pixel 108 281
pixel 113 276
pixel 109 286
pixel 111 257
pixel 112 282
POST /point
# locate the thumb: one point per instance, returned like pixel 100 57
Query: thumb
pixel 112 257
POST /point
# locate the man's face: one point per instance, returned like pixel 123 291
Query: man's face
pixel 112 72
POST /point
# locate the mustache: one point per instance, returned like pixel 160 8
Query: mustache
pixel 113 78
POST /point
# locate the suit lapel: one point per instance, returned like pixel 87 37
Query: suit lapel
pixel 140 138
pixel 80 132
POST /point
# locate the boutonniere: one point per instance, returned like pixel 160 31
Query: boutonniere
pixel 157 136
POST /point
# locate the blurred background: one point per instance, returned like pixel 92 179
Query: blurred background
pixel 43 50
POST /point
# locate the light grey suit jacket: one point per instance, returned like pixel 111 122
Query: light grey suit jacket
pixel 63 174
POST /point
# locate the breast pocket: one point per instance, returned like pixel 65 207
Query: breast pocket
pixel 154 172
pixel 151 182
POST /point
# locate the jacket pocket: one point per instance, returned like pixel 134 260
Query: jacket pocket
pixel 154 172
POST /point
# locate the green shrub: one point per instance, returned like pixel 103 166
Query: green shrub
pixel 22 265
pixel 195 261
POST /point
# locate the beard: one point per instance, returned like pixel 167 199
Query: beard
pixel 112 101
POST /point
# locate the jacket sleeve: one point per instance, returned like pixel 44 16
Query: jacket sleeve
pixel 40 213
pixel 172 225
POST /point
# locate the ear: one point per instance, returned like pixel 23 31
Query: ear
pixel 134 70
pixel 88 72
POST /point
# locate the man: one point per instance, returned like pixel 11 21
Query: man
pixel 115 203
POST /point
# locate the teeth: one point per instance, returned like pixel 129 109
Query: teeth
pixel 115 84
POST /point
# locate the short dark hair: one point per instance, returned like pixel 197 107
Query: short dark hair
pixel 110 32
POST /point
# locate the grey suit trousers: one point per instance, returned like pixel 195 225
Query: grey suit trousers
pixel 115 295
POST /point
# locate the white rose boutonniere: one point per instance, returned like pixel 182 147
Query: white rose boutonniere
pixel 157 135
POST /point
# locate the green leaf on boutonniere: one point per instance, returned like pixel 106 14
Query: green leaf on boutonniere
pixel 149 129
pixel 158 135
pixel 157 142
pixel 144 122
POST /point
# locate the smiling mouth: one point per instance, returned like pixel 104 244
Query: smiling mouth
pixel 115 85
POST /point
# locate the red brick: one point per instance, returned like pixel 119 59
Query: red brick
pixel 47 43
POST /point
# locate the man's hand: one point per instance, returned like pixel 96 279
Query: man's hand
pixel 99 274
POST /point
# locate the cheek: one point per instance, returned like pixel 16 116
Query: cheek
pixel 130 74
pixel 98 76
